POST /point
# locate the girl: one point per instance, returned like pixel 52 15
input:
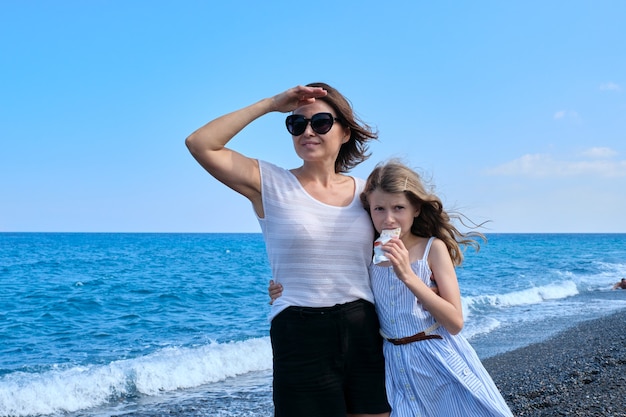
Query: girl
pixel 431 370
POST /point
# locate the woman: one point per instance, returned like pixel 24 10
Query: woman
pixel 327 351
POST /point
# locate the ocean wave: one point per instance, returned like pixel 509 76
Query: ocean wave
pixel 479 327
pixel 79 388
pixel 532 295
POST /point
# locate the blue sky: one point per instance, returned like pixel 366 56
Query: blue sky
pixel 516 111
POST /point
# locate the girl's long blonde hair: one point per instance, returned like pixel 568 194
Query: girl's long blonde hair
pixel 395 177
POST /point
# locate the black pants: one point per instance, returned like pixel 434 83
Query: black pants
pixel 328 361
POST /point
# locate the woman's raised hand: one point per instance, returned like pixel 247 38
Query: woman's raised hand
pixel 296 97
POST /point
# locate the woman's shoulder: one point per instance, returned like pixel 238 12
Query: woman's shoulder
pixel 269 168
pixel 359 182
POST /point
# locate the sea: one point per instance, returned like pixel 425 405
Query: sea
pixel 123 324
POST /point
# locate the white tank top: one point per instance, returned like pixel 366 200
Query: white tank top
pixel 318 252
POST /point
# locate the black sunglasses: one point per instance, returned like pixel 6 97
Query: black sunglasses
pixel 320 123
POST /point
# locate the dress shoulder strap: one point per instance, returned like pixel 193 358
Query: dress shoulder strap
pixel 427 250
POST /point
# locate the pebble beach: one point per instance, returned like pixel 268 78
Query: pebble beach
pixel 579 372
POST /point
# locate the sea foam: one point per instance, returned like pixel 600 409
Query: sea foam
pixel 79 388
pixel 532 295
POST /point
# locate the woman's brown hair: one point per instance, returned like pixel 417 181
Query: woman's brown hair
pixel 355 150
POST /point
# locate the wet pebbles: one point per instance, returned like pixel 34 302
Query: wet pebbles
pixel 580 372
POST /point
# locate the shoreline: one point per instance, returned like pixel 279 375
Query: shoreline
pixel 579 372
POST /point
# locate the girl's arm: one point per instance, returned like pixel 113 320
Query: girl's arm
pixel 274 290
pixel 446 307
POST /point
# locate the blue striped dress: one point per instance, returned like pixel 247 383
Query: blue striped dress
pixel 434 377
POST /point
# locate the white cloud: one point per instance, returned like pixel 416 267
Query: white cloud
pixel 599 152
pixel 566 114
pixel 596 162
pixel 610 87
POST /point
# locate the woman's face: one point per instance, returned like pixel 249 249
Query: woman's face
pixel 312 146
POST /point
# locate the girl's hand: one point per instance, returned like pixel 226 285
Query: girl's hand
pixel 274 290
pixel 296 97
pixel 399 257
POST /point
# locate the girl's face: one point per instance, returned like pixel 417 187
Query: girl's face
pixel 391 210
pixel 313 146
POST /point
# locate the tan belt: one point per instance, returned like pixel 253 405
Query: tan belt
pixel 416 337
